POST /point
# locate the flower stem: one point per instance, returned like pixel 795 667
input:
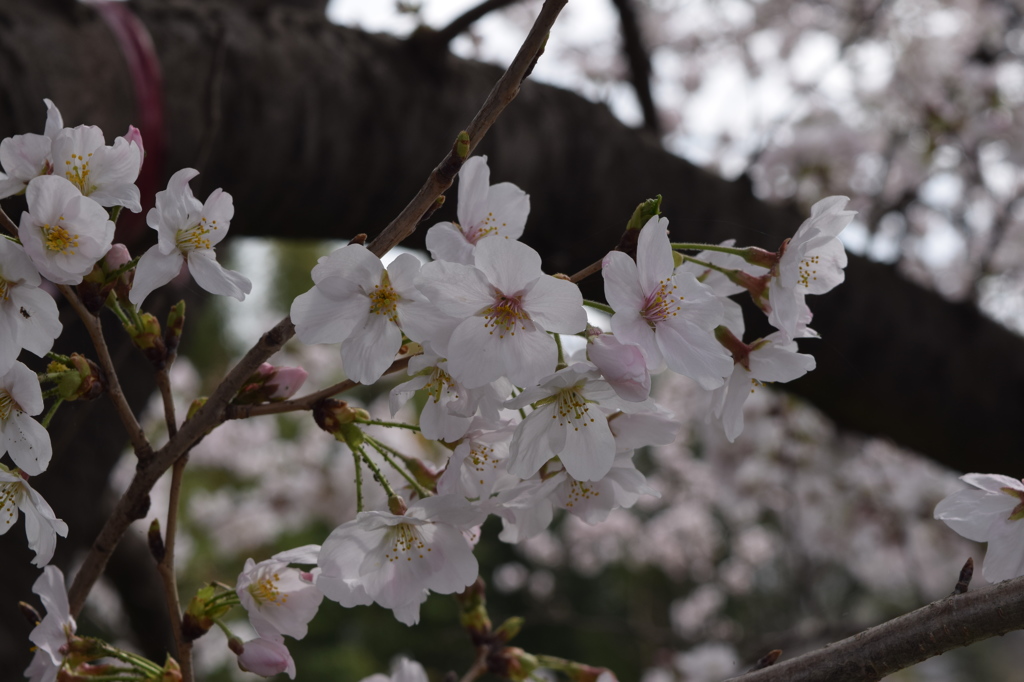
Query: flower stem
pixel 386 453
pixel 52 411
pixel 390 425
pixel 603 307
pixel 378 475
pixel 359 481
pixel 693 246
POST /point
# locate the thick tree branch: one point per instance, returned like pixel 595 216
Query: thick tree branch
pixel 639 63
pixel 950 623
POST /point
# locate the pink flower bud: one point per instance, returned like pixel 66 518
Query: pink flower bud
pixel 286 382
pixel 133 135
pixel 267 657
pixel 622 365
pixel 116 257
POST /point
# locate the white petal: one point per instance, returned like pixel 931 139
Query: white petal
pixel 154 270
pixel 445 242
pixel 556 305
pixel 214 277
pixel 320 319
pixel 369 351
pixel 654 258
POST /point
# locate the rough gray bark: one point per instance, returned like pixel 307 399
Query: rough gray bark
pixel 321 131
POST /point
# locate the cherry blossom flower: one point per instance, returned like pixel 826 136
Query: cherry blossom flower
pixel 187 232
pixel 105 174
pixel 28 315
pixel 504 305
pixel 592 501
pixel 41 526
pixel 477 467
pixel 365 307
pixel 267 655
pixel 644 424
pixel 668 314
pixel 22 437
pixel 402 670
pixel 280 598
pixel 393 560
pixel 567 422
pixel 485 210
pixel 811 262
pixel 450 407
pixel 55 630
pixel 24 157
pixel 771 359
pixel 64 233
pixel 990 514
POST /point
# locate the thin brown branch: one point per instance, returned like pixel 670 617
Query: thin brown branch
pixel 504 91
pixel 306 402
pixel 479 666
pixel 591 269
pixel 461 23
pixel 950 623
pixel 163 382
pixel 166 570
pixel 639 63
pixel 143 450
pixel 7 223
pixel 134 502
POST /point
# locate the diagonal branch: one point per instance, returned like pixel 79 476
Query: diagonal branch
pixel 135 501
pixel 639 63
pixel 950 623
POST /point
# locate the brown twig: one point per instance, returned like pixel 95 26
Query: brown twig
pixel 461 23
pixel 943 625
pixel 167 573
pixel 143 450
pixel 134 501
pixel 504 91
pixel 7 223
pixel 639 63
pixel 479 666
pixel 586 272
pixel 306 402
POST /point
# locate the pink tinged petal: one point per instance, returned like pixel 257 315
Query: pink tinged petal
pixel 528 356
pixel 214 277
pixel 305 554
pixel 54 121
pixel 445 242
pixel 773 364
pixel 23 157
pixel 1004 558
pixel 176 208
pixel 474 358
pixel 37 321
pixel 630 327
pixel 623 366
pixel 508 207
pixel 27 442
pixel 654 259
pixel 154 270
pixel 622 283
pixel 639 430
pixel 474 181
pixel 695 353
pixel 112 174
pixel 589 449
pixel 974 513
pixel 993 483
pixel 530 448
pixel 369 351
pixel 459 567
pixel 41 527
pixel 267 657
pixel 351 264
pixel 556 305
pixel 217 213
pixel 730 411
pixel 457 290
pixel 510 266
pixel 319 318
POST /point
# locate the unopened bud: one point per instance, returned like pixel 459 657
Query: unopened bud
pixel 396 505
pixel 149 340
pixel 509 629
pixel 336 417
pixel 462 145
pixel 236 645
pixel 156 541
pixel 473 615
pixel 134 135
pixel 513 663
pixel 271 384
pixel 84 382
pixel 171 671
pixel 175 324
pixel 644 212
pixel 194 407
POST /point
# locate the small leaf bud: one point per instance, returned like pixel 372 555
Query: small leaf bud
pixel 175 325
pixel 462 145
pixel 644 212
